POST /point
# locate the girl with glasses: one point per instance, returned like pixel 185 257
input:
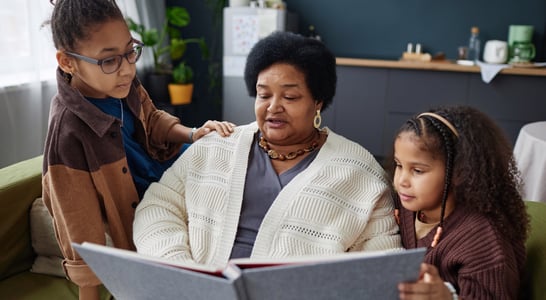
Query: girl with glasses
pixel 106 140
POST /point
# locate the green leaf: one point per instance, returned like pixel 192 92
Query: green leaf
pixel 150 37
pixel 178 48
pixel 178 16
pixel 183 73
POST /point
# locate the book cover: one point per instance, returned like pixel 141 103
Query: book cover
pixel 355 275
pixel 132 276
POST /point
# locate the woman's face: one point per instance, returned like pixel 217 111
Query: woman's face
pixel 108 39
pixel 284 106
pixel 419 176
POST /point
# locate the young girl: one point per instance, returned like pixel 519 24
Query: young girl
pixel 457 187
pixel 106 140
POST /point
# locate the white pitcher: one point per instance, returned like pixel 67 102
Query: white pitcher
pixel 495 52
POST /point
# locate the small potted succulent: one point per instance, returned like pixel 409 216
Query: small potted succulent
pixel 181 89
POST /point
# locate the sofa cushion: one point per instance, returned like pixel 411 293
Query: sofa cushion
pixel 31 286
pixel 27 285
pixel 49 257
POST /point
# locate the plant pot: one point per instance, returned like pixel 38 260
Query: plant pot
pixel 157 86
pixel 180 93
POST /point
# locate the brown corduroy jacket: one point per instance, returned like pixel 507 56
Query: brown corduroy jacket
pixel 87 185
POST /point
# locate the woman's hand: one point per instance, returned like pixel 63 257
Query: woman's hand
pixel 224 128
pixel 429 286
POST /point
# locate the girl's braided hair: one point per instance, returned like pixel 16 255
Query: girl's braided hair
pixel 73 20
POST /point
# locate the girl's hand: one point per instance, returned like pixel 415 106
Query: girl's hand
pixel 429 286
pixel 223 128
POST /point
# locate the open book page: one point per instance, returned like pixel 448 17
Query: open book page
pixel 138 256
pixel 132 276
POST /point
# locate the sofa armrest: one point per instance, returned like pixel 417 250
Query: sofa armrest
pixel 20 185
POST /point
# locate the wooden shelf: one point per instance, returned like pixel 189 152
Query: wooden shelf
pixel 446 66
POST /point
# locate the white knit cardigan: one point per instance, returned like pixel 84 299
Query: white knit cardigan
pixel 339 203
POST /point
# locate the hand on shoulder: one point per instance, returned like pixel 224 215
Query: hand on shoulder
pixel 224 128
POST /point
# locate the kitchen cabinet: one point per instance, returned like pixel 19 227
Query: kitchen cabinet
pixel 375 97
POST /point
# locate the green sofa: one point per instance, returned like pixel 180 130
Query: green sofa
pixel 20 186
pixel 535 268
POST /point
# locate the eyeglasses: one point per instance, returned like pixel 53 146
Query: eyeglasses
pixel 111 64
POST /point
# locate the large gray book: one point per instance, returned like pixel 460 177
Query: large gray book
pixel 362 275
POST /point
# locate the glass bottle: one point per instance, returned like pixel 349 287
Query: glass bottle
pixel 313 33
pixel 474 44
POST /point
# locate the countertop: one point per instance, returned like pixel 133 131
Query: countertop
pixel 447 66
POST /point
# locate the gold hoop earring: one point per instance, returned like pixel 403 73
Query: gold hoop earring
pixel 317 120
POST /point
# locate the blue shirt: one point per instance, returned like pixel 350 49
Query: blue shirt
pixel 144 169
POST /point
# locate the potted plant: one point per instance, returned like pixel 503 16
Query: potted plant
pixel 164 53
pixel 181 89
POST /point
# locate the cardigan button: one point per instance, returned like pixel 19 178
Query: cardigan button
pixel 134 205
pixel 114 134
pixel 124 170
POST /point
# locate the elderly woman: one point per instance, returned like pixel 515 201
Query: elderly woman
pixel 278 187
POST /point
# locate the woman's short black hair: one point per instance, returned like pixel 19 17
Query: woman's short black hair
pixel 309 56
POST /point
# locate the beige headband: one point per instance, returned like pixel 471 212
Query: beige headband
pixel 441 119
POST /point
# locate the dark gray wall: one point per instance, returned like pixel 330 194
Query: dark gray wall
pixel 370 29
pixel 382 29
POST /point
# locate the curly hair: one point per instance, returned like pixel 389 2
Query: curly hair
pixel 73 20
pixel 309 56
pixel 483 172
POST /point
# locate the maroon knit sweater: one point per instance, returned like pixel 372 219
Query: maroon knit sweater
pixel 471 255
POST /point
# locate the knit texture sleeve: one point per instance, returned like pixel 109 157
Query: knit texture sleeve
pixel 489 268
pixel 381 232
pixel 476 259
pixel 160 226
pixel 192 213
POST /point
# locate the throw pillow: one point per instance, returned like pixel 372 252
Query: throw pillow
pixel 49 257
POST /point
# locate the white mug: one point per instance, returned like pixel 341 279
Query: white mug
pixel 495 52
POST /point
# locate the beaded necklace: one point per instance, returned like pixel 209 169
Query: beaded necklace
pixel 292 155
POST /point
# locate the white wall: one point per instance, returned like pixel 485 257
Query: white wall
pixel 24 113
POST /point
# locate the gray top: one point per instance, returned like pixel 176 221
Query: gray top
pixel 262 185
